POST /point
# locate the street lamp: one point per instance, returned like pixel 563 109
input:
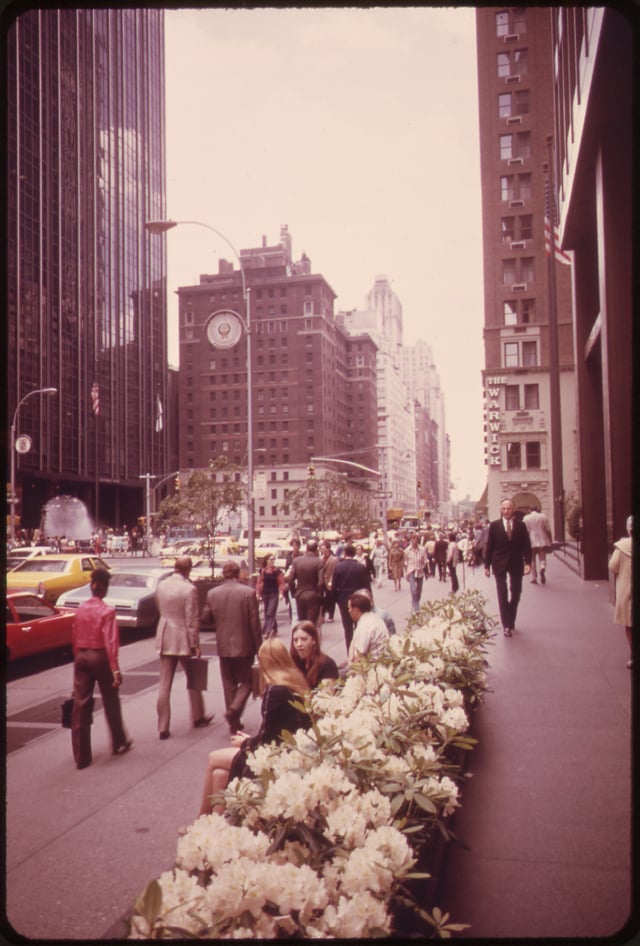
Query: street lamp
pixel 161 226
pixel 12 499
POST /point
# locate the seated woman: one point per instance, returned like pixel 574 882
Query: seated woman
pixel 280 683
pixel 307 656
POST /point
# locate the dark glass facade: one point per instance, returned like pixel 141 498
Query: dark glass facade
pixel 86 284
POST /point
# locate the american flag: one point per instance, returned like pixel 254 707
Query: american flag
pixel 551 233
pixel 95 398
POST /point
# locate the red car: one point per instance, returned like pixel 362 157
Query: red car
pixel 34 625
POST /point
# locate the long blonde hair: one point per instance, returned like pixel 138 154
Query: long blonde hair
pixel 277 667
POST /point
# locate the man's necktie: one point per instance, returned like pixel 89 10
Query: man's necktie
pixel 509 528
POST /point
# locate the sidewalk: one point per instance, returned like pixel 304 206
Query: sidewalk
pixel 547 812
pixel 546 815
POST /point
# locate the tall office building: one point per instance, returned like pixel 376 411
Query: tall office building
pixel 313 385
pixel 593 82
pixel 529 378
pixel 86 306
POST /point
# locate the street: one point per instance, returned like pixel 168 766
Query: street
pixel 547 818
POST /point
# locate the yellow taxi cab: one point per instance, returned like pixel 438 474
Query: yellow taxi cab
pixel 50 575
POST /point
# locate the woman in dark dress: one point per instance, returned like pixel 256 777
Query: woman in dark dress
pixel 281 683
pixel 270 587
pixel 307 656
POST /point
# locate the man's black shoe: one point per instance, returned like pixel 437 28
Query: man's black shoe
pixel 165 734
pixel 123 748
pixel 507 632
pixel 203 721
pixel 543 577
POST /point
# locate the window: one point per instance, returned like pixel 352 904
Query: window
pixel 520 20
pixel 529 354
pixel 511 354
pixel 533 454
pixel 524 186
pixel 504 105
pixel 513 456
pixel 520 61
pixel 512 397
pixel 504 65
pixel 508 272
pixel 531 398
pixel 502 23
pixel 523 144
pixel 506 147
pixel 507 189
pixel 527 311
pixel 521 102
pixel 527 271
pixel 525 227
pixel 510 312
pixel 507 229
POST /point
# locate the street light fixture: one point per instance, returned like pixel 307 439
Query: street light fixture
pixel 12 450
pixel 162 226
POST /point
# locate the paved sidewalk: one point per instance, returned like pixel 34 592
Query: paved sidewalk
pixel 546 815
pixel 547 812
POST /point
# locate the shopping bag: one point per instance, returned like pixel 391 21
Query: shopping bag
pixel 197 670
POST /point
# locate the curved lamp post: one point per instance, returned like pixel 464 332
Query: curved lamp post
pixel 12 450
pixel 161 226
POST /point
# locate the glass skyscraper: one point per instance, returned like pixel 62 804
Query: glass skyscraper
pixel 86 305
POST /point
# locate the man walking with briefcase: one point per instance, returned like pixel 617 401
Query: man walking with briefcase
pixel 177 639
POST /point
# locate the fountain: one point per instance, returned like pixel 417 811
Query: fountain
pixel 66 516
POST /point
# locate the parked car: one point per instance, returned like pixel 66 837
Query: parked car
pixel 34 625
pixel 132 592
pixel 52 574
pixel 15 556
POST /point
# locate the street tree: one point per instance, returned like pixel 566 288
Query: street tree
pixel 327 502
pixel 203 500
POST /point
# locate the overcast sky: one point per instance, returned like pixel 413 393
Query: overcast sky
pixel 358 129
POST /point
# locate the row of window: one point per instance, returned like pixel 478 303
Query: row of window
pixel 513 103
pixel 531 455
pixel 515 186
pixel 518 271
pixel 519 311
pixel 530 400
pixel 515 145
pixel 512 21
pixel 512 63
pixel 520 353
pixel 516 228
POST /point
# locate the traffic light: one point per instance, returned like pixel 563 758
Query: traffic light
pixel 419 486
pixel 311 471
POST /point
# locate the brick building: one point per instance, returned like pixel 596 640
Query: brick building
pixel 314 386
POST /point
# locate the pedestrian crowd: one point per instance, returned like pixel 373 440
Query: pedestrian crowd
pixel 313 582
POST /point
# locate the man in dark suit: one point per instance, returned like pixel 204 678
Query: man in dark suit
pixel 233 610
pixel 349 576
pixel 508 553
pixel 305 577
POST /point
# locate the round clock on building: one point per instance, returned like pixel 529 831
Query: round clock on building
pixel 224 329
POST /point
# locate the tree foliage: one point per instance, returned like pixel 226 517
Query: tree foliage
pixel 330 501
pixel 204 500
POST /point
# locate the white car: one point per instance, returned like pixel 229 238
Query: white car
pixel 15 556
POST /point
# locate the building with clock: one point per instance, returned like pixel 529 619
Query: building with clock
pixel 314 385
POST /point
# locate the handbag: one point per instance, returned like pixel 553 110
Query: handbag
pixel 67 710
pixel 197 671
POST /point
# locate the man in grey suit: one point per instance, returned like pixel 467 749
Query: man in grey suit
pixel 306 577
pixel 233 610
pixel 177 639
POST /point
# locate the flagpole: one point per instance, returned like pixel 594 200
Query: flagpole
pixel 554 365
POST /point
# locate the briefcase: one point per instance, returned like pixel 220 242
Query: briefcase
pixel 67 710
pixel 197 670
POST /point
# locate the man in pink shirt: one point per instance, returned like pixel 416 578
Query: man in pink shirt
pixel 95 648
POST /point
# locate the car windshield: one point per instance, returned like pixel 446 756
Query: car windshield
pixel 43 565
pixel 131 581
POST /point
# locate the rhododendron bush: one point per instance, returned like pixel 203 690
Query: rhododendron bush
pixel 327 840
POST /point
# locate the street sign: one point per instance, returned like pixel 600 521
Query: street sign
pixel 382 495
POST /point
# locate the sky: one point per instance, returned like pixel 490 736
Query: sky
pixel 358 129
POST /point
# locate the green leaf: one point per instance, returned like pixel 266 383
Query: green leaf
pixel 149 903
